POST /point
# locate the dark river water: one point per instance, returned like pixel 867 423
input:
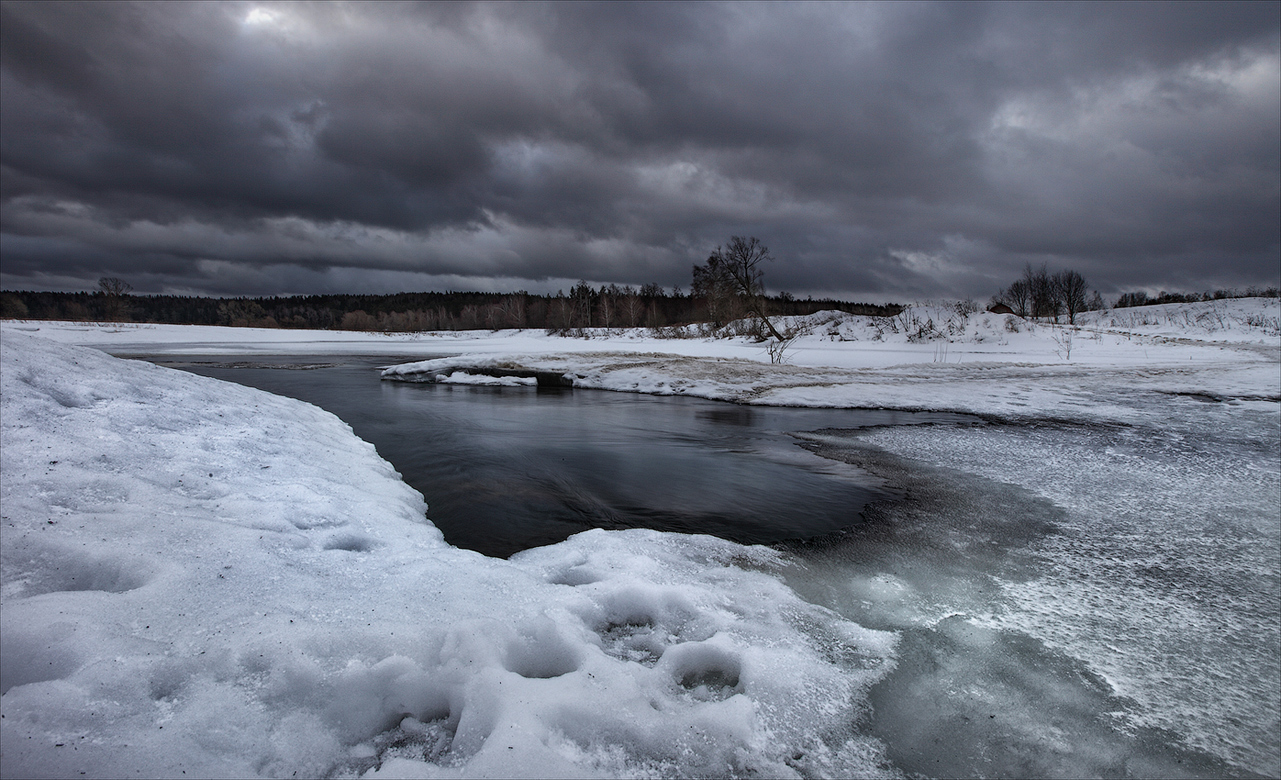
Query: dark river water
pixel 508 468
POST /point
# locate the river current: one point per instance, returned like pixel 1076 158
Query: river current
pixel 1069 600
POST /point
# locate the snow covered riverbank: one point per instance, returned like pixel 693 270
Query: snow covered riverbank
pixel 929 357
pixel 983 363
pixel 205 579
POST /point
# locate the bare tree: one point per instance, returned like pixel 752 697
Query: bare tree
pixel 653 317
pixel 1040 294
pixel 114 291
pixel 581 297
pixel 111 285
pixel 559 315
pixel 737 267
pixel 492 314
pixel 605 307
pixel 712 283
pixel 470 317
pixel 632 307
pixel 1041 290
pixel 513 310
pixel 1069 289
pixel 358 320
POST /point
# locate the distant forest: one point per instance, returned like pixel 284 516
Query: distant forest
pixel 583 307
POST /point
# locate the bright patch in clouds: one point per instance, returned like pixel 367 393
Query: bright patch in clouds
pixel 260 16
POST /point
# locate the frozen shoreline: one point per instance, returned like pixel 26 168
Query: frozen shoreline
pixel 188 565
pixel 195 561
pixel 992 365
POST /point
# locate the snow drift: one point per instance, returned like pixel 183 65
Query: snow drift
pixel 206 580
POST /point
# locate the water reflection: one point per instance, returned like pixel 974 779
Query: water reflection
pixel 504 469
pixel 733 415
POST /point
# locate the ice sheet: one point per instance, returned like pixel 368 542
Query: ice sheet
pixel 1162 574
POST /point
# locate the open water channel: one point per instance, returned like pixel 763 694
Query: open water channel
pixel 1070 600
pixel 504 469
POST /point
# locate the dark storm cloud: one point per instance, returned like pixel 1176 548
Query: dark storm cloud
pixel 887 151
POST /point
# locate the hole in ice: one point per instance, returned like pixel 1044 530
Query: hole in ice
pixel 711 684
pixel 542 664
pixel 639 624
pixel 351 543
pixel 411 739
pixel 708 672
pixel 637 640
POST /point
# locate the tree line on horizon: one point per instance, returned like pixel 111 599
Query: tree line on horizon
pixel 1043 295
pixel 725 289
pixel 583 307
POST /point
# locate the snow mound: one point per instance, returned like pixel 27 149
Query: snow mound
pixel 202 579
pixel 464 378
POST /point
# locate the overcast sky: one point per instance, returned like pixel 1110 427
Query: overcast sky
pixel 882 152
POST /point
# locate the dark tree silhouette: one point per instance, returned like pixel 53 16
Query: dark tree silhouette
pixel 114 291
pixel 1069 288
pixel 736 268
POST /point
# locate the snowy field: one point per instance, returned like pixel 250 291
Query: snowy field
pixel 201 579
pixel 929 357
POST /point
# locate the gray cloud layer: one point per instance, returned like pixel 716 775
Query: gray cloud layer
pixel 883 151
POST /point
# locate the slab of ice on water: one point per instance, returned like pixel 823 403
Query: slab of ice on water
pixel 1163 575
